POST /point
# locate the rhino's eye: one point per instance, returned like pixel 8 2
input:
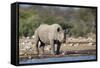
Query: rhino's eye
pixel 58 29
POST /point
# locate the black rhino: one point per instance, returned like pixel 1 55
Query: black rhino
pixel 49 35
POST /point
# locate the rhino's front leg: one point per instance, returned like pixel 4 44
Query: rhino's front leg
pixel 52 47
pixel 58 48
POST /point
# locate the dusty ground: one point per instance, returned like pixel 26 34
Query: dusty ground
pixel 27 46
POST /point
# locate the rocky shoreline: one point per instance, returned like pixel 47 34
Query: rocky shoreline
pixel 63 54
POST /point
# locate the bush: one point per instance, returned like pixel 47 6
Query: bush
pixel 78 22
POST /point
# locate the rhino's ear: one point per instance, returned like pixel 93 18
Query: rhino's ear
pixel 58 29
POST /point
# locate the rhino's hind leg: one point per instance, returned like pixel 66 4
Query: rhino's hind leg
pixel 37 49
pixel 36 41
pixel 42 48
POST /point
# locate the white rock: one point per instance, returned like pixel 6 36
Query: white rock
pixel 27 37
pixel 23 43
pixel 71 44
pixel 64 44
pixel 33 36
pixel 47 48
pixel 29 57
pixel 90 44
pixel 76 44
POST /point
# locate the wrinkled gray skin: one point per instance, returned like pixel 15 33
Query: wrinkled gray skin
pixel 49 35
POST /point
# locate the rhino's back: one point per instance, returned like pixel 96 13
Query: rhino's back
pixel 43 32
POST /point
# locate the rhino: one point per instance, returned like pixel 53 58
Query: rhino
pixel 49 35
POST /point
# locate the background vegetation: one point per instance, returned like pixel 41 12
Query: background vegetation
pixel 76 21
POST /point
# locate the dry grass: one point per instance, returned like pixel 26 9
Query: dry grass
pixel 68 47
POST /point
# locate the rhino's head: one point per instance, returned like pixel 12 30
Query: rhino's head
pixel 61 37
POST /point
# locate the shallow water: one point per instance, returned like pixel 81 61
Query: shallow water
pixel 61 59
